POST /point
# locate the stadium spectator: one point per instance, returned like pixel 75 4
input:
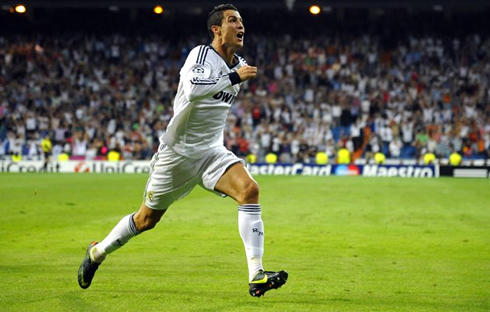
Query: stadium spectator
pixel 395 148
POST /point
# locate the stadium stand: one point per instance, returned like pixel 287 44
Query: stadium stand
pixel 404 94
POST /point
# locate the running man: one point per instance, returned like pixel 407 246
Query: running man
pixel 192 152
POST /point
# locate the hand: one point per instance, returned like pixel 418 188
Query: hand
pixel 247 72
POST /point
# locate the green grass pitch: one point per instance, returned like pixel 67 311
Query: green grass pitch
pixel 348 243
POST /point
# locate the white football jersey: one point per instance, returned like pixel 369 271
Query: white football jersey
pixel 207 89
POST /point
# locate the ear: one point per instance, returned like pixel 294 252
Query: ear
pixel 216 30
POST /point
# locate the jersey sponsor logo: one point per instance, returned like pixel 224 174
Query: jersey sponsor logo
pixel 225 97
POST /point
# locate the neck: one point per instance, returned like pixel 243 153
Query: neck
pixel 227 53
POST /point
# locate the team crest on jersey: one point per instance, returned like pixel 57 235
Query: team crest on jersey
pixel 198 70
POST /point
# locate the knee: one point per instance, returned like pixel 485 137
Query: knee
pixel 249 193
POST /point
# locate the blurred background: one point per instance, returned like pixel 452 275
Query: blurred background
pixel 399 80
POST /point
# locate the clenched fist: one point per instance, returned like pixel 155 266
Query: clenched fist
pixel 247 72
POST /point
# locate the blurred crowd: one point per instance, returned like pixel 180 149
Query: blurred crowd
pixel 95 94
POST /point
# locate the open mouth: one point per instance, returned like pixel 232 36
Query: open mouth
pixel 240 35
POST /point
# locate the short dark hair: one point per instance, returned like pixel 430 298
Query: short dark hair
pixel 215 17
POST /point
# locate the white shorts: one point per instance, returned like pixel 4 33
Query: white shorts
pixel 173 176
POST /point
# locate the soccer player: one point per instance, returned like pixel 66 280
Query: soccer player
pixel 192 152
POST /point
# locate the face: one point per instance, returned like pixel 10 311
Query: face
pixel 232 30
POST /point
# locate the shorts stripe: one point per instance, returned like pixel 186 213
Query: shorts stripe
pixel 153 162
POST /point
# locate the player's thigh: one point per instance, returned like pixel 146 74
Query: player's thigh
pixel 235 181
pixel 218 162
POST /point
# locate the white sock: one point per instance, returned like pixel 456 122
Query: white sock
pixel 120 235
pixel 251 230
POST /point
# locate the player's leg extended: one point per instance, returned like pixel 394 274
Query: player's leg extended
pixel 129 226
pixel 171 177
pixel 237 183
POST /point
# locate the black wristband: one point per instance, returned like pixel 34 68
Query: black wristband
pixel 234 78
